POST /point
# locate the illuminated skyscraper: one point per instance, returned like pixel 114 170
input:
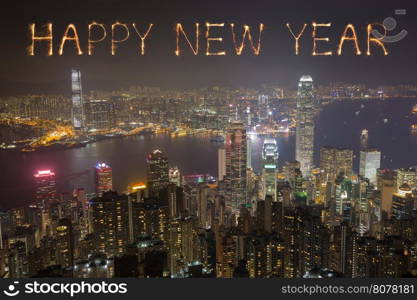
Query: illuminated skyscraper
pixel 45 188
pixel 110 221
pixel 304 142
pixel 78 118
pixel 103 178
pixel 175 176
pixel 249 153
pixel 263 106
pixel 158 171
pixel 364 139
pixel 370 161
pixel 402 203
pixel 270 166
pixel 335 161
pixel 65 243
pixel 236 164
pixel 407 175
pixel 221 163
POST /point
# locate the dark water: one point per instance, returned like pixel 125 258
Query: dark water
pixel 337 125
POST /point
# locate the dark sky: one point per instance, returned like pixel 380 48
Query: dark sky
pixel 20 73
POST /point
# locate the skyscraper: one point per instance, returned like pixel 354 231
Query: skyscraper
pixel 334 161
pixel 263 106
pixel 249 153
pixel 402 202
pixel 370 161
pixel 103 178
pixel 78 118
pixel 407 175
pixel 65 243
pixel 45 188
pixel 221 163
pixel 158 171
pixel 236 164
pixel 304 140
pixel 110 221
pixel 270 166
pixel 175 176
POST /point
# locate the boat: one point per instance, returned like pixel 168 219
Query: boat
pixel 413 127
pixel 414 110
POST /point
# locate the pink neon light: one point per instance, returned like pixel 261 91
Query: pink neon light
pixel 44 173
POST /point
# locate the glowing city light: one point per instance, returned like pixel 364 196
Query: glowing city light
pixel 44 173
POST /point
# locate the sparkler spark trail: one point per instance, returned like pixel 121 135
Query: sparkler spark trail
pixel 48 38
pixel 142 37
pixel 374 40
pixel 209 39
pixel 246 32
pixel 315 39
pixel 70 38
pixel 349 38
pixel 113 41
pixel 90 41
pixel 179 29
pixel 296 37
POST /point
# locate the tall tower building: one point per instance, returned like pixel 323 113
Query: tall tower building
pixel 175 176
pixel 65 243
pixel 236 165
pixel 158 171
pixel 335 161
pixel 221 163
pixel 304 139
pixel 364 139
pixel 110 222
pixel 370 162
pixel 77 111
pixel 270 166
pixel 402 203
pixel 249 153
pixel 263 105
pixel 103 178
pixel 45 188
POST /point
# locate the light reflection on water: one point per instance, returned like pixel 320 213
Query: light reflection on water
pixel 337 125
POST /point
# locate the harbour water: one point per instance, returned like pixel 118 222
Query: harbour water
pixel 339 124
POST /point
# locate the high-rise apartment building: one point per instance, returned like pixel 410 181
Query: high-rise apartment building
pixel 110 222
pixel 158 171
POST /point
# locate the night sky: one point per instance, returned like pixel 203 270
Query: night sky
pixel 277 64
